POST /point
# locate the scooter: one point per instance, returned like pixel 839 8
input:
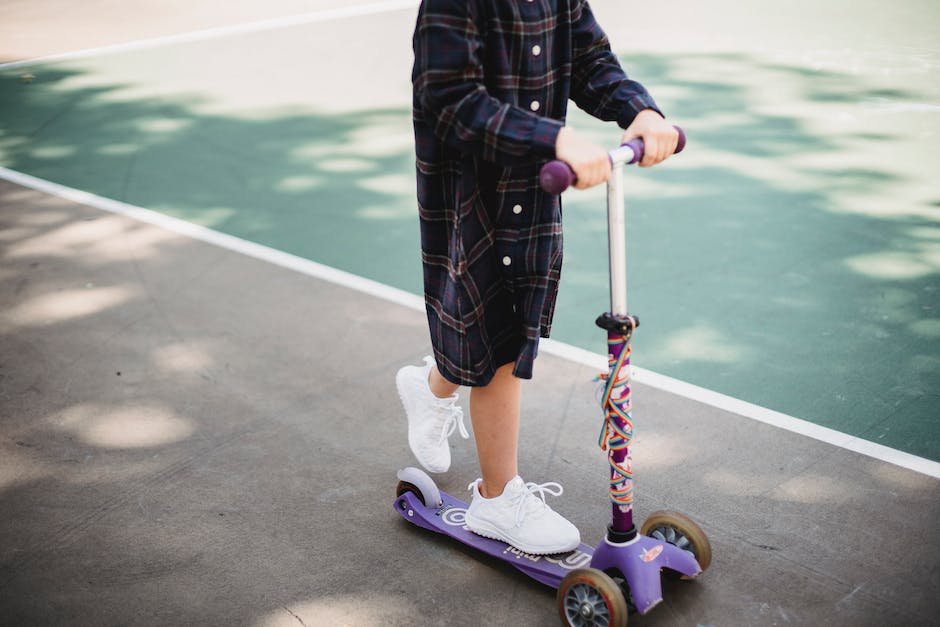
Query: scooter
pixel 597 586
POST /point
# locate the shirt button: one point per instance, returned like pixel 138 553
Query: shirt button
pixel 517 209
pixel 506 260
pixel 536 50
pixel 534 105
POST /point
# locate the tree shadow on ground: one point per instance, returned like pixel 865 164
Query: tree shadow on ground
pixel 766 263
pixel 746 283
pixel 334 188
pixel 789 266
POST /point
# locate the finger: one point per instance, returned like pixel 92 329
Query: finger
pixel 674 144
pixel 651 147
pixel 595 176
pixel 664 150
pixel 593 172
pixel 598 169
pixel 584 178
pixel 661 148
pixel 603 170
pixel 670 143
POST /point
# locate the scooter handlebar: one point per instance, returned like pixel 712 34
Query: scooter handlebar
pixel 557 176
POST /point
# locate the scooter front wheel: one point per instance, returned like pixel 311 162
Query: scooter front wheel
pixel 588 597
pixel 681 531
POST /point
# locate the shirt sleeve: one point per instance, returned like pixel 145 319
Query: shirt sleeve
pixel 598 83
pixel 449 87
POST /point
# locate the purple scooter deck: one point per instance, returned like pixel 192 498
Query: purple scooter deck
pixel 640 560
pixel 449 519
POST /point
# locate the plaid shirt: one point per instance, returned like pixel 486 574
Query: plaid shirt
pixel 492 79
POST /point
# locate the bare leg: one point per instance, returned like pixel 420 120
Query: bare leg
pixel 441 387
pixel 494 411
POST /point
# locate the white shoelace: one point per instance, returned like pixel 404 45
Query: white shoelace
pixel 535 490
pixel 454 418
pixel 452 422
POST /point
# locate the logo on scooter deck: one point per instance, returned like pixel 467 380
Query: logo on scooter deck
pixel 570 561
pixel 453 516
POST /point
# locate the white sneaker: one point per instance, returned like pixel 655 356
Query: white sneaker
pixel 520 517
pixel 431 420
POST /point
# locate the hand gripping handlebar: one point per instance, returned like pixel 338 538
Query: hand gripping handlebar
pixel 557 176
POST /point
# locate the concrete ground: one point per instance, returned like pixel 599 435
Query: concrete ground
pixel 191 436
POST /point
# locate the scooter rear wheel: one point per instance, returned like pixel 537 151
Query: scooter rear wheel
pixel 681 531
pixel 588 597
pixel 418 482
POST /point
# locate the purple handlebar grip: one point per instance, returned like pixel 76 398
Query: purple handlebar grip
pixel 557 176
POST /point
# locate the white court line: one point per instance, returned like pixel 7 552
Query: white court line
pixel 224 31
pixel 752 411
pixel 407 299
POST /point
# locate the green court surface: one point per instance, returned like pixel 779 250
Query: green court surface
pixel 790 258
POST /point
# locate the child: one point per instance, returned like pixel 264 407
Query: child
pixel 492 79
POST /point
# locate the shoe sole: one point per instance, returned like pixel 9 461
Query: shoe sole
pixel 488 531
